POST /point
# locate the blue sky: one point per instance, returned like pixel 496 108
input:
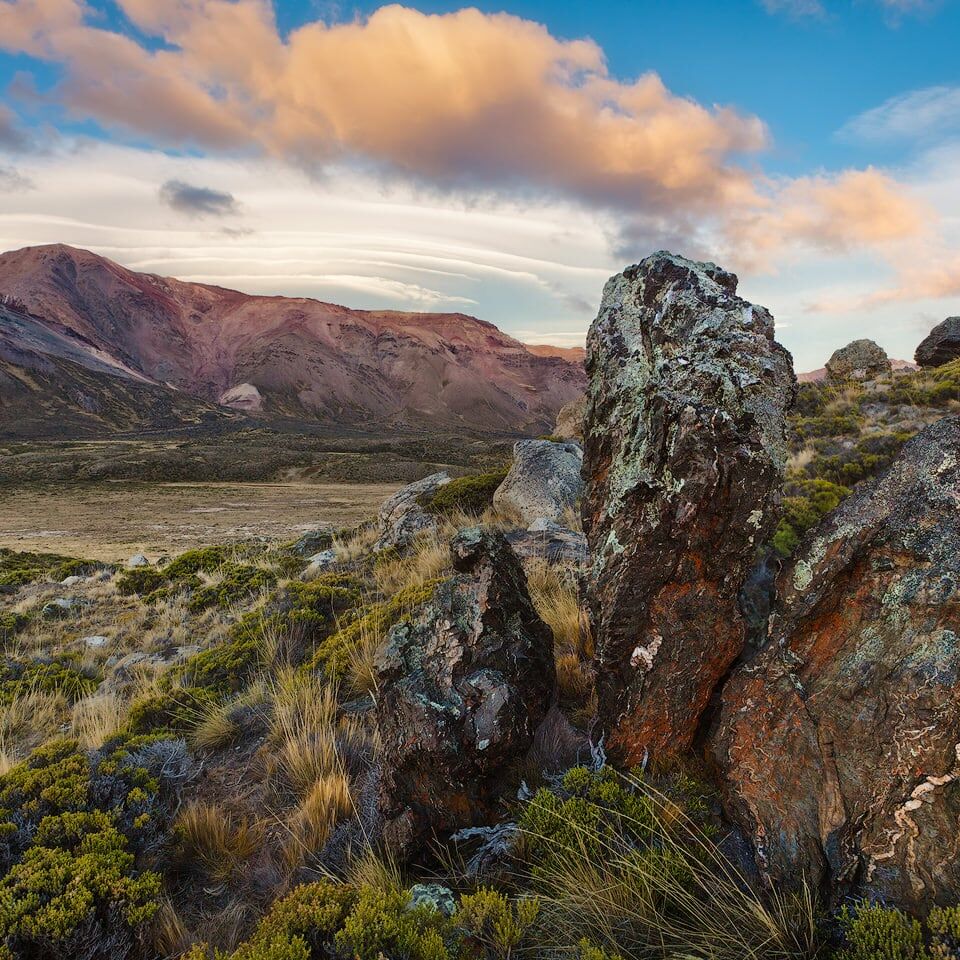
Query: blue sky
pixel 427 157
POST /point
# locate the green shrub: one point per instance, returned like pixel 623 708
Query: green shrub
pixel 471 494
pixel 202 560
pixel 20 568
pixel 315 605
pixel 175 711
pixel 812 502
pixel 11 624
pixel 239 581
pixel 53 676
pixel 139 581
pixel 590 809
pixel 873 932
pixel 496 924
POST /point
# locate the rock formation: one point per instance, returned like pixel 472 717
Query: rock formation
pixel 684 455
pixel 860 360
pixel 840 742
pixel 543 483
pixel 401 517
pixel 941 344
pixel 463 687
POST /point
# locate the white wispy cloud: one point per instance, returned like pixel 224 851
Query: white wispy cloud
pixel 932 113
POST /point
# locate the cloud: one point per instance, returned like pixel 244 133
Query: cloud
pixel 11 181
pixel 12 138
pixel 462 101
pixel 197 201
pixel 925 115
pixel 894 10
pixel 798 9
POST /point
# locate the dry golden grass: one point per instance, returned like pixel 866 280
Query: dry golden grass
pixel 801 459
pixel 328 802
pixel 428 558
pixel 214 840
pixel 356 544
pixel 27 721
pixel 553 590
pixel 96 718
pixel 216 727
pixel 169 935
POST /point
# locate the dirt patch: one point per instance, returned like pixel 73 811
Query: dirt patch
pixel 112 521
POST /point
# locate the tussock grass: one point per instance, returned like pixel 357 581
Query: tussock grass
pixel 327 802
pixel 31 718
pixel 356 544
pixel 211 838
pixel 677 898
pixel 96 718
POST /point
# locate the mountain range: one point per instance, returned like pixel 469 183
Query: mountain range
pixel 87 345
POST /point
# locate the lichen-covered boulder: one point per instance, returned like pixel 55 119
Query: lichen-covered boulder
pixel 543 483
pixel 859 360
pixel 463 686
pixel 401 516
pixel 685 449
pixel 570 419
pixel 941 344
pixel 839 742
pixel 550 541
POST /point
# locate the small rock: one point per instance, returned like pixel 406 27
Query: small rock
pixel 312 542
pixel 860 360
pixel 941 345
pixel 544 481
pixel 319 562
pixel 433 895
pixel 71 581
pixel 549 541
pixel 62 607
pixel 401 517
pixel 570 419
pixel 95 642
pixel 137 560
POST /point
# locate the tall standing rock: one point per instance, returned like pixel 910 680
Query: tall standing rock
pixel 840 742
pixel 463 687
pixel 940 345
pixel 685 448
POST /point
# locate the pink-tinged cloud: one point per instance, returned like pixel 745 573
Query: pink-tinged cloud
pixel 460 99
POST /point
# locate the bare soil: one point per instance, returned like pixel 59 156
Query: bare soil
pixel 113 520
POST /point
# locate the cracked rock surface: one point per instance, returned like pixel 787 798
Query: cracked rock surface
pixel 839 742
pixel 685 449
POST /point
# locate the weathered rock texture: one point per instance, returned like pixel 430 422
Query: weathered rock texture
pixel 941 344
pixel 401 517
pixel 544 481
pixel 684 455
pixel 839 742
pixel 860 360
pixel 570 419
pixel 462 689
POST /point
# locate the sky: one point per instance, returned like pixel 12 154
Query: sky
pixel 501 161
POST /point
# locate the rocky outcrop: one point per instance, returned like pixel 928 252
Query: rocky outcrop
pixel 684 455
pixel 463 686
pixel 840 743
pixel 401 517
pixel 546 540
pixel 543 483
pixel 570 419
pixel 860 360
pixel 941 344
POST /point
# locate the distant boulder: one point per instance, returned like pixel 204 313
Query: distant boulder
pixel 137 560
pixel 543 483
pixel 401 516
pixel 684 455
pixel 860 360
pixel 839 744
pixel 941 345
pixel 570 419
pixel 463 686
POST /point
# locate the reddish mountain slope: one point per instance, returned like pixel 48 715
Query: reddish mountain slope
pixel 305 358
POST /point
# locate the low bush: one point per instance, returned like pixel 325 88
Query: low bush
pixel 139 581
pixel 44 676
pixel 809 504
pixel 237 582
pixel 20 568
pixel 174 711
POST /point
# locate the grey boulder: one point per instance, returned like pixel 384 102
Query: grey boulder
pixel 544 481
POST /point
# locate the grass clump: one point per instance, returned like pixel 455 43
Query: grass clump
pixel 11 624
pixel 20 568
pixel 140 581
pixel 237 581
pixel 44 676
pixel 472 494
pixel 174 711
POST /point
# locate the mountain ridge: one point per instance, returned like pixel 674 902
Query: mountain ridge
pixel 307 359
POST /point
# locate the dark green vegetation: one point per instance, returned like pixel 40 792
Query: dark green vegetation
pixel 18 569
pixel 847 432
pixel 471 494
pixel 256 455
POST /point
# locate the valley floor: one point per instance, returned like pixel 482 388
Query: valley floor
pixel 111 521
